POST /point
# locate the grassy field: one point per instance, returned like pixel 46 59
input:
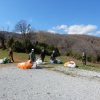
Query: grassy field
pixel 22 57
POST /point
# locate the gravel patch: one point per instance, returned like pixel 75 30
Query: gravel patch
pixel 77 72
pixel 43 84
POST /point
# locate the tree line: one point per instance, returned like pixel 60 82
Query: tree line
pixel 26 45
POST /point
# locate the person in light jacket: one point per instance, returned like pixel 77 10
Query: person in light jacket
pixel 32 56
pixel 53 57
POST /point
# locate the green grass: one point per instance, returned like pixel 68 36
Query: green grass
pixel 22 57
pixel 17 56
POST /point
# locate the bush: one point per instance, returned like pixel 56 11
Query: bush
pixel 10 42
pixel 98 58
pixel 17 46
pixel 89 58
pixel 38 49
pixel 27 45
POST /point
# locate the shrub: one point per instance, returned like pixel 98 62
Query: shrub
pixel 27 45
pixel 17 46
pixel 10 42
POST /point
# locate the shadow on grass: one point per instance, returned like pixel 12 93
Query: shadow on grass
pixel 43 67
pixel 38 67
pixel 77 66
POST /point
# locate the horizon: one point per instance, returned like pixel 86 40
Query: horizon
pixel 63 16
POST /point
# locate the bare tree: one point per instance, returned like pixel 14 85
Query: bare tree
pixel 24 29
pixel 3 32
pixel 7 28
pixel 96 49
pixel 2 39
pixel 21 28
pixel 30 31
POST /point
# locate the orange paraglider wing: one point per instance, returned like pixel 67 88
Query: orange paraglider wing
pixel 25 65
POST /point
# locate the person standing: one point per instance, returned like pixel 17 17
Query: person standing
pixel 32 56
pixel 11 55
pixel 42 55
pixel 53 57
pixel 84 58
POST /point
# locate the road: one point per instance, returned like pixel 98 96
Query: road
pixel 46 84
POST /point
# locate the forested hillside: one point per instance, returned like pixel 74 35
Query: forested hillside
pixel 70 45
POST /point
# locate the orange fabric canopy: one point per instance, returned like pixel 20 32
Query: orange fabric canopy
pixel 25 65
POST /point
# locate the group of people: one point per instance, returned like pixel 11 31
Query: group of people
pixel 52 57
pixel 32 56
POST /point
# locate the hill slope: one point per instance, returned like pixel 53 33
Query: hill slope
pixel 64 42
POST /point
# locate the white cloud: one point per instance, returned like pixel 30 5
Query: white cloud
pixel 51 31
pixel 8 23
pixel 98 32
pixel 60 27
pixel 81 29
pixel 75 29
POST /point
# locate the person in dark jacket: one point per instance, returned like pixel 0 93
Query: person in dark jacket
pixel 84 59
pixel 42 55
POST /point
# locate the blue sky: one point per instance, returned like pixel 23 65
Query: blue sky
pixel 57 16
